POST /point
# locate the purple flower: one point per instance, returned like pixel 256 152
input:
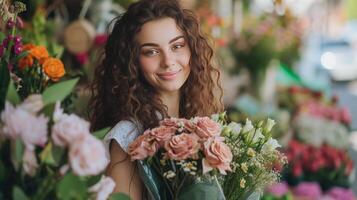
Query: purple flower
pixel 17 39
pixel 278 189
pixel 5 42
pixel 310 190
pixel 339 193
pixel 10 24
pixel 17 49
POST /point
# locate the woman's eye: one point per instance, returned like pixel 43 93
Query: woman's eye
pixel 178 46
pixel 151 52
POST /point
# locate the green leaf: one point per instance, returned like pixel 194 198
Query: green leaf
pixel 57 153
pixel 4 82
pixel 92 180
pixel 46 155
pixel 12 94
pixel 48 110
pixel 100 134
pixel 17 152
pixel 71 187
pixel 58 91
pixel 119 196
pixel 2 36
pixel 18 194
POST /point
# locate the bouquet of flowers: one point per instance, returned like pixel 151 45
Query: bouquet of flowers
pixel 256 161
pixel 190 157
pixel 183 152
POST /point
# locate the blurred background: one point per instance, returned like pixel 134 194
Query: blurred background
pixel 293 61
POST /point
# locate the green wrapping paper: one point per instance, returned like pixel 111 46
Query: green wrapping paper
pixel 157 190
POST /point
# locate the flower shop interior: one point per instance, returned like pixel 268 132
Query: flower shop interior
pixel 294 62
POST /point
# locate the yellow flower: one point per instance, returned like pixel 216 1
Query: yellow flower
pixel 244 167
pixel 242 183
pixel 251 152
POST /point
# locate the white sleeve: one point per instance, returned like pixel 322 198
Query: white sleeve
pixel 124 132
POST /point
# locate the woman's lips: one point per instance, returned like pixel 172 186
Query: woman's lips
pixel 168 75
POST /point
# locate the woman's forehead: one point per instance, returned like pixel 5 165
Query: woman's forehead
pixel 160 31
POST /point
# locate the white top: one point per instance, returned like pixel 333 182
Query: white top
pixel 124 132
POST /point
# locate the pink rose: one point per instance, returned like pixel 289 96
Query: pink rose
pixel 19 123
pixel 189 126
pixel 170 122
pixel 207 128
pixel 217 155
pixel 142 147
pixel 87 156
pixel 103 188
pixel 163 134
pixel 182 146
pixel 68 129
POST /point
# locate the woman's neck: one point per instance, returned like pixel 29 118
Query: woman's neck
pixel 172 101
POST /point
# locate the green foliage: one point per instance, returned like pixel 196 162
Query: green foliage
pixel 58 91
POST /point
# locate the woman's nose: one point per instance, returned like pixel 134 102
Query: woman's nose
pixel 168 59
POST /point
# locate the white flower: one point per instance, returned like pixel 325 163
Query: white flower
pixel 32 103
pixel 270 145
pixel 248 126
pixel 29 162
pixel 235 127
pixel 87 156
pixel 68 129
pixel 103 188
pixel 215 117
pixel 58 112
pixel 257 135
pixel 269 125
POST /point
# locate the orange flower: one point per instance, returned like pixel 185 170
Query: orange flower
pixel 39 52
pixel 27 47
pixel 26 61
pixel 53 68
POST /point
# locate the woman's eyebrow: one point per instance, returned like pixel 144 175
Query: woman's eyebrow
pixel 156 45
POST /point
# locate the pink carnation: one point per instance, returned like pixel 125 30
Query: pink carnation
pixel 339 193
pixel 87 156
pixel 309 190
pixel 143 147
pixel 207 128
pixel 217 155
pixel 182 146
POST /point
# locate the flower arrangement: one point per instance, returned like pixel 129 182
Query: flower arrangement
pixel 30 66
pixel 183 152
pixel 326 165
pixel 188 152
pixel 256 161
pixel 49 154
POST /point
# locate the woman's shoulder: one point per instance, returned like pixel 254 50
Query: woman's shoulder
pixel 124 132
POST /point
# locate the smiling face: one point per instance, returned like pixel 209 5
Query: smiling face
pixel 164 55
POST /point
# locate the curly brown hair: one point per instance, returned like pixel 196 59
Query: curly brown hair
pixel 119 90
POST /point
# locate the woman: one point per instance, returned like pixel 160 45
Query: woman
pixel 157 64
